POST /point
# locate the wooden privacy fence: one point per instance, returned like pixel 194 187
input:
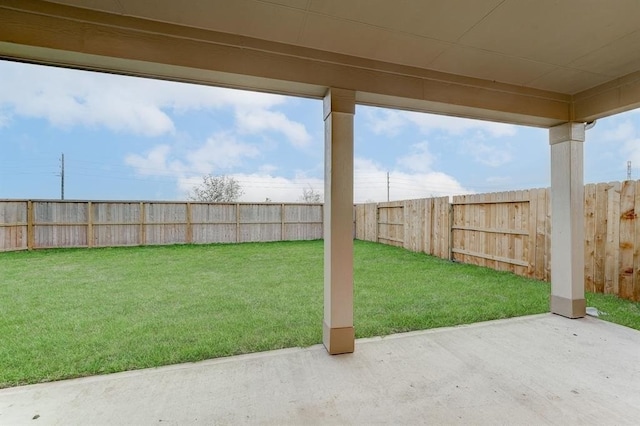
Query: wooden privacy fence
pixel 511 231
pixel 506 231
pixel 417 225
pixel 612 238
pixel 26 224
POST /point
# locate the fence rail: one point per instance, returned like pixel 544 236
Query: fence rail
pixel 27 224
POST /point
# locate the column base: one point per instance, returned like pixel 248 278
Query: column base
pixel 570 308
pixel 338 340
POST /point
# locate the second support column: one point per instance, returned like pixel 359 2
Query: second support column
pixel 338 332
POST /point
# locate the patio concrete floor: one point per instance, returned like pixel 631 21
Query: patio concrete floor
pixel 541 369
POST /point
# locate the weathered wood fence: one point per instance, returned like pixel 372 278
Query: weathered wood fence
pixel 505 231
pixel 26 224
pixel 511 231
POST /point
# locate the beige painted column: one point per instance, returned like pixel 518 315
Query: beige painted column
pixel 338 333
pixel 567 220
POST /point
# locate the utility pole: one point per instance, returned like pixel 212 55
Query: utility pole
pixel 628 170
pixel 62 177
pixel 387 187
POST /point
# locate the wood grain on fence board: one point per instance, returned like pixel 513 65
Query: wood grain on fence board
pixel 589 236
pixel 627 240
pixel 612 244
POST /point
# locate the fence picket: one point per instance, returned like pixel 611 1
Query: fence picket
pixel 589 236
pixel 600 236
pixel 495 245
pixel 612 247
pixel 626 242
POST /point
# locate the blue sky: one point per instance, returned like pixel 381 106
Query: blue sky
pixel 132 138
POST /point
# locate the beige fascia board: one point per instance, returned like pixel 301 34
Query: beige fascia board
pixel 39 55
pixel 616 96
pixel 384 101
pixel 67 36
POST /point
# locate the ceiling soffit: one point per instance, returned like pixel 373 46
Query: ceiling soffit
pixel 320 43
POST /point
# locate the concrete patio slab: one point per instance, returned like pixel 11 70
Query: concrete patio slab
pixel 541 369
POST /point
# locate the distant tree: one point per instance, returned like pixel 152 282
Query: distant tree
pixel 217 189
pixel 310 195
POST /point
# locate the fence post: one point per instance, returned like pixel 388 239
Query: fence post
pixel 189 233
pixel 89 224
pixel 237 222
pixel 427 228
pixel 282 222
pixel 30 230
pixel 322 220
pixel 141 235
pixel 354 224
pixel 406 238
pixel 377 222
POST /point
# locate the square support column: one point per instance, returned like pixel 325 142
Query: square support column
pixel 567 220
pixel 338 333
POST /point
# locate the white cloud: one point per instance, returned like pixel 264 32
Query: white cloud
pixel 631 151
pixel 498 180
pixel 385 121
pixel 366 165
pixel 489 155
pixel 66 98
pixel 370 179
pixel 419 160
pixel 139 106
pixel 622 131
pixel 5 119
pixel 256 121
pixel 220 152
pixel 391 122
pixel 209 158
pixel 154 163
pixel 267 169
pixel 617 140
pixel 370 183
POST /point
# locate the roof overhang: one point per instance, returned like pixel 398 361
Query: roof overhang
pixel 57 34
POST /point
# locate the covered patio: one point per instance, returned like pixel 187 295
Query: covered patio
pixel 540 369
pixel 557 65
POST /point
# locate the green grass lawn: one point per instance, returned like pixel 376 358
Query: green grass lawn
pixel 78 312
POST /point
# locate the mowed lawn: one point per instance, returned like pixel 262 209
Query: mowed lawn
pixel 78 312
